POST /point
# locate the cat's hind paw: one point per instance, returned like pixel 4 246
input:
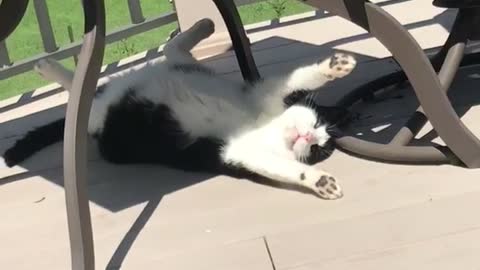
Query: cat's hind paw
pixel 323 184
pixel 205 26
pixel 45 66
pixel 338 66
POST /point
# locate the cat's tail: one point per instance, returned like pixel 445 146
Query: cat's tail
pixel 34 141
pixel 178 48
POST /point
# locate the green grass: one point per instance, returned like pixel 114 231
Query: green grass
pixel 25 42
pixel 263 11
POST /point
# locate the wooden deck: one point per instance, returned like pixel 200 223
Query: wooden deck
pixel 147 217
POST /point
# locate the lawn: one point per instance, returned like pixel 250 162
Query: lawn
pixel 25 42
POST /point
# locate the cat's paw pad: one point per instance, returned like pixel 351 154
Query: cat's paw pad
pixel 338 66
pixel 206 26
pixel 323 184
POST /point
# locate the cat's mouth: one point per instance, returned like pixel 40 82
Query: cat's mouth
pixel 307 138
pixel 301 144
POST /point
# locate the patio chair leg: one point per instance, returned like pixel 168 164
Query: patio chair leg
pixel 75 143
pixel 463 146
pixel 11 13
pixel 427 86
pixel 418 120
pixel 452 51
pixel 457 35
pixel 449 59
pixel 240 41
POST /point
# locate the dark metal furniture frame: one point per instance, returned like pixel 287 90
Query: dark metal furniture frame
pixel 84 84
pixel 78 109
pixel 462 146
pixel 446 62
pixel 430 89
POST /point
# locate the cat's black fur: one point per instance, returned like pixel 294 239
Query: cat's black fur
pixel 139 131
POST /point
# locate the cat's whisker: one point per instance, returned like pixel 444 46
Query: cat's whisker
pixel 335 132
pixel 311 103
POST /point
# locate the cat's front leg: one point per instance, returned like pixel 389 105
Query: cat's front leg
pixel 316 75
pixel 322 183
pixel 283 169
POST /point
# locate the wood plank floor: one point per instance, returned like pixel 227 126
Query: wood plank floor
pixel 147 217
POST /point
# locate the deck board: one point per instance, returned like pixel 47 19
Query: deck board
pixel 385 237
pixel 453 251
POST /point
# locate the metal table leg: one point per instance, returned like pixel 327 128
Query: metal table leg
pixel 241 43
pixel 457 35
pixel 463 146
pixel 75 143
pixel 446 61
pixel 428 87
pixel 78 109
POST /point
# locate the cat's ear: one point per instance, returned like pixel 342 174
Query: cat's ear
pixel 334 115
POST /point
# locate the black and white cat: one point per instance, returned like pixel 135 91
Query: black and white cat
pixel 180 114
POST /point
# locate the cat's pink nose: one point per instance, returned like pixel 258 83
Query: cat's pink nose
pixel 308 137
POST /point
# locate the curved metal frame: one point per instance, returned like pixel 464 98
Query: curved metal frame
pixel 429 88
pixel 239 38
pixel 78 110
pixel 75 143
pixel 422 75
pixel 451 56
pixel 11 14
pixel 431 92
pixel 457 35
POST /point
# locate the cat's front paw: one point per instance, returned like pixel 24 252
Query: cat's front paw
pixel 322 183
pixel 338 66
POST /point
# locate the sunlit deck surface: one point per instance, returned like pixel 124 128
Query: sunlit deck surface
pixel 149 217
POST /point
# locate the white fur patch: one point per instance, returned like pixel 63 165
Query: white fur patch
pixel 3 165
pixel 113 93
pixel 300 121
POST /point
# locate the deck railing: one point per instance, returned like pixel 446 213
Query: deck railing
pixel 138 25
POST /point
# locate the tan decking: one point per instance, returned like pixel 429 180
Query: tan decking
pixel 147 217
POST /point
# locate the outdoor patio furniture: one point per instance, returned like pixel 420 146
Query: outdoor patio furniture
pixel 446 61
pixel 11 13
pixel 78 109
pixel 462 146
pixel 430 89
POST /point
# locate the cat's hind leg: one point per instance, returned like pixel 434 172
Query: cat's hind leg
pixel 53 71
pixel 178 49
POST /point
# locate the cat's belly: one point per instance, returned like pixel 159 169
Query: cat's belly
pixel 203 105
pixel 211 118
pixel 207 106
